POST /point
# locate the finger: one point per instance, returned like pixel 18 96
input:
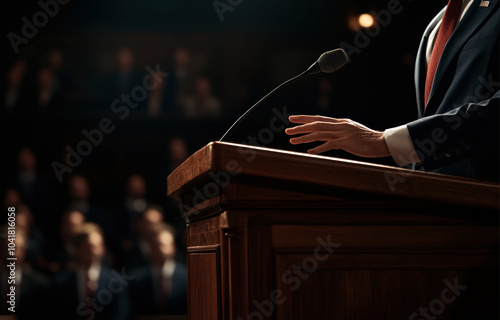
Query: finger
pixel 310 119
pixel 312 137
pixel 312 127
pixel 305 128
pixel 327 146
pixel 303 118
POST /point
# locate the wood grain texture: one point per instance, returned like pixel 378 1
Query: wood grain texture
pixel 204 294
pixel 295 236
pixel 318 172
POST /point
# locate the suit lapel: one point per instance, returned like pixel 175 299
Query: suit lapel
pixel 421 63
pixel 473 18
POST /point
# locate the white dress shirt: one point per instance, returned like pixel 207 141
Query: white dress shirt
pixel 93 273
pixel 165 274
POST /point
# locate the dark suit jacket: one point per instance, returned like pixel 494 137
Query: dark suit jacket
pixel 144 300
pixel 31 296
pixel 458 132
pixel 111 297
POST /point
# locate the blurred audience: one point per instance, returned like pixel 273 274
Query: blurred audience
pixel 34 190
pixel 61 254
pixel 56 64
pixel 157 103
pixel 48 97
pixel 66 231
pixel 179 81
pixel 122 79
pixel 137 254
pixel 84 292
pixel 201 104
pixel 34 238
pixel 31 287
pixel 14 95
pixel 130 209
pixel 27 179
pixel 11 198
pixel 161 286
pixel 177 152
pixel 79 199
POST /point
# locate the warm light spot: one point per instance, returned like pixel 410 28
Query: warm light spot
pixel 366 20
pixel 353 23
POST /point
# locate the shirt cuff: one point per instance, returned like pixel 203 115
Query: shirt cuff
pixel 400 145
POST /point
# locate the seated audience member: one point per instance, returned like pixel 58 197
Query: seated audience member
pixel 161 286
pixel 84 293
pixel 122 79
pixel 179 80
pixel 138 254
pixel 31 287
pixel 156 103
pixel 35 191
pixel 61 255
pixel 131 208
pixel 14 97
pixel 79 199
pixel 202 104
pixel 63 77
pixel 48 98
pixel 177 153
pixel 78 192
pixel 35 239
pixel 11 198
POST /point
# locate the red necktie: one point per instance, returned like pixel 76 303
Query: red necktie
pixel 450 19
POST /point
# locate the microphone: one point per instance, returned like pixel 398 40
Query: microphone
pixel 328 62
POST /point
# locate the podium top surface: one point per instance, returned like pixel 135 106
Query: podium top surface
pixel 353 176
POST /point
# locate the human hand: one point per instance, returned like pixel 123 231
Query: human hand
pixel 345 134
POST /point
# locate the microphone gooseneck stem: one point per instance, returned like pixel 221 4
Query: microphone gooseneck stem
pixel 243 116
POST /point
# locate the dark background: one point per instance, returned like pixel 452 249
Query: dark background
pixel 259 44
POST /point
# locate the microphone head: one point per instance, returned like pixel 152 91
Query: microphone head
pixel 333 60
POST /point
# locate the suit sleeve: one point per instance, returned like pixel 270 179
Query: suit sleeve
pixel 472 128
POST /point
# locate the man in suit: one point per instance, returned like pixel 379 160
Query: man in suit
pixel 161 286
pixel 34 237
pixel 31 286
pixel 138 253
pixel 14 96
pixel 61 252
pixel 92 290
pixel 34 189
pixel 80 199
pixel 457 86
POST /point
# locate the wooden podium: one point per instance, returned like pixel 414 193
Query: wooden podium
pixel 274 234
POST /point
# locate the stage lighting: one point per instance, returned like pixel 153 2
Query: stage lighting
pixel 366 20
